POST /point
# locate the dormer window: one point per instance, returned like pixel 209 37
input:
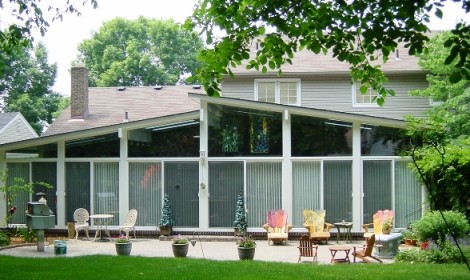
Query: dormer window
pixel 280 91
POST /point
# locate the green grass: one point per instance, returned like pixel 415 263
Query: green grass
pixel 116 267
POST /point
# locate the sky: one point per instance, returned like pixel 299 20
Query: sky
pixel 63 37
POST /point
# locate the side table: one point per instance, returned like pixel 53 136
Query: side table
pixel 340 248
pixel 346 234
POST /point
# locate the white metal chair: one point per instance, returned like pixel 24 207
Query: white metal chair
pixel 129 225
pixel 81 217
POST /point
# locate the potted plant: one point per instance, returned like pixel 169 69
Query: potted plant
pixel 166 221
pixel 123 245
pixel 180 246
pixel 387 226
pixel 240 217
pixel 410 238
pixel 246 246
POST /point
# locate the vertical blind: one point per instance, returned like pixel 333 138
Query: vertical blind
pixel 225 182
pixel 106 195
pixel 306 184
pixel 77 187
pixel 337 183
pixel 145 191
pixel 377 184
pixel 264 190
pixel 18 170
pixel 407 195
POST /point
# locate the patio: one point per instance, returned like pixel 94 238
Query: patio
pixel 204 248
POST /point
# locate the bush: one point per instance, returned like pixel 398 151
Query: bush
pixel 4 238
pixel 26 234
pixel 447 253
pixel 432 227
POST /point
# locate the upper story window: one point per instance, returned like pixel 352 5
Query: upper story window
pixel 368 99
pixel 282 91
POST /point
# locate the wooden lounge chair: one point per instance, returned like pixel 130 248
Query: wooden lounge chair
pixel 366 252
pixel 277 227
pixel 307 249
pixel 315 224
pixel 378 220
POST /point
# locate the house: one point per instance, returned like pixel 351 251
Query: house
pixel 14 127
pixel 306 140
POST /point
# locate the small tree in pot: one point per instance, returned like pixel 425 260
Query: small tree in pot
pixel 240 217
pixel 166 221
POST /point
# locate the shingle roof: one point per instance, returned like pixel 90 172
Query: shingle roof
pixel 107 106
pixel 306 61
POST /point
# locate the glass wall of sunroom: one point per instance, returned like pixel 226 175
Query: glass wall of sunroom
pixel 293 163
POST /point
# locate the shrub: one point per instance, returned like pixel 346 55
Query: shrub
pixel 4 238
pixel 432 227
pixel 26 234
pixel 447 253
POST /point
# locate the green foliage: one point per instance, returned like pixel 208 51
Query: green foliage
pixel 167 218
pixel 4 238
pixel 432 226
pixel 446 254
pixel 240 214
pixel 29 15
pixel 11 187
pixel 26 85
pixel 361 33
pixel 246 242
pixel 26 234
pixel 140 52
pixel 442 138
pixel 180 240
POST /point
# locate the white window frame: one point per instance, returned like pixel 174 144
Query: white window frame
pixel 277 83
pixel 356 91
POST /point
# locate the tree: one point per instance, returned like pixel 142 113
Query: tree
pixel 139 52
pixel 442 137
pixel 358 32
pixel 26 85
pixel 240 215
pixel 29 15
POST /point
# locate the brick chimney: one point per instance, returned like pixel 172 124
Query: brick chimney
pixel 79 92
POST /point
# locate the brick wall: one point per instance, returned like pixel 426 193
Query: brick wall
pixel 79 92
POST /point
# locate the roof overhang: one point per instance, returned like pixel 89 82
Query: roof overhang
pixel 100 130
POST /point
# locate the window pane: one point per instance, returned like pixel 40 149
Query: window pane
pixel 407 196
pixel 267 92
pixel 367 98
pixel 145 192
pixel 106 181
pixel 288 93
pixel 337 181
pixel 46 172
pixel 225 182
pixel 171 140
pixel 182 186
pixel 382 141
pixel 43 151
pixel 244 132
pixel 306 184
pixel 18 170
pixel 97 146
pixel 320 137
pixel 377 187
pixel 264 187
pixel 77 187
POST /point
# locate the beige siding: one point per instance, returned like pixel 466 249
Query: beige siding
pixel 335 93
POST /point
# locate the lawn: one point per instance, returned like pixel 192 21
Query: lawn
pixel 115 267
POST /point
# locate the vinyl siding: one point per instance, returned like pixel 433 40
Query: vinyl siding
pixel 16 130
pixel 334 92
